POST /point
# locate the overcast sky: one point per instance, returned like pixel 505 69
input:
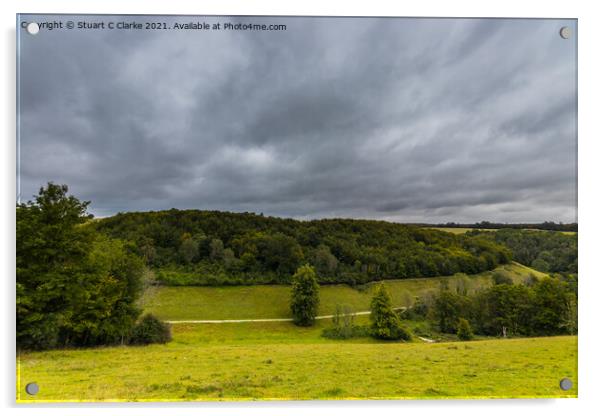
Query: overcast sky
pixel 410 120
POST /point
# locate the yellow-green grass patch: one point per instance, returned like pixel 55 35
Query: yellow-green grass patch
pixel 272 301
pixel 187 371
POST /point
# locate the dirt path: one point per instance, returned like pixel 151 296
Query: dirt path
pixel 233 321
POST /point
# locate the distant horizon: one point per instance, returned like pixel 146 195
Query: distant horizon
pixel 339 218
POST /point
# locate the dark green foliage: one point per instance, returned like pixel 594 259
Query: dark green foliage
pixel 304 296
pixel 343 325
pixel 546 251
pixel 269 250
pixel 385 322
pixel 464 330
pixel 448 308
pixel 150 330
pixel 548 307
pixel 74 287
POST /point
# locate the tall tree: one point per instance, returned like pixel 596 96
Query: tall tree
pixel 385 322
pixel 305 296
pixel 74 287
pixel 52 248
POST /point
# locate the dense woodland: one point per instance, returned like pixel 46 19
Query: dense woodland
pixel 540 307
pixel 214 248
pixel 548 252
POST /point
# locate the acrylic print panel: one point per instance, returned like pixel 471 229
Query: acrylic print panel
pixel 291 208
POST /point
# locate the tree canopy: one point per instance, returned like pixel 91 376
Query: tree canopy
pixel 216 248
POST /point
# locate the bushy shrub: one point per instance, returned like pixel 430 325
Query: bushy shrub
pixel 150 330
pixel 343 325
pixel 464 330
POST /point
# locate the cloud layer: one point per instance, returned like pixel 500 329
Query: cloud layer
pixel 400 119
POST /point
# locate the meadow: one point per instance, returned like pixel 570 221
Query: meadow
pixel 216 365
pixel 464 230
pixel 279 361
pixel 272 301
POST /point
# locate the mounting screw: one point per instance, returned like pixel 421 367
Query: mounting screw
pixel 32 388
pixel 565 32
pixel 33 28
pixel 566 384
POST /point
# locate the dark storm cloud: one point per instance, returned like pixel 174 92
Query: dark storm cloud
pixel 400 119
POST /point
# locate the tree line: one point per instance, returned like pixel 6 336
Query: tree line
pixel 546 225
pixel 542 307
pixel 192 247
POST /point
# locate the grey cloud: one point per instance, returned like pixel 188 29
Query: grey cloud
pixel 400 119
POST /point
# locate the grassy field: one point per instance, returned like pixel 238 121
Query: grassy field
pixel 278 361
pixel 201 365
pixel 458 230
pixel 272 301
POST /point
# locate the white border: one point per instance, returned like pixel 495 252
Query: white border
pixel 590 68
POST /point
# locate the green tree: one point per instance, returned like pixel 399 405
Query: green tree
pixel 217 249
pixel 325 262
pixel 74 286
pixel 305 296
pixel 464 330
pixel 52 248
pixel 552 300
pixel 189 249
pixel 448 307
pixel 385 322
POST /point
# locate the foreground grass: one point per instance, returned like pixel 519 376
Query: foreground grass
pixel 197 366
pixel 272 301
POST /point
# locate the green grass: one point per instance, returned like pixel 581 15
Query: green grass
pixel 458 230
pixel 278 360
pixel 272 301
pixel 202 365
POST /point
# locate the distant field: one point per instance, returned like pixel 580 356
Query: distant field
pixel 196 366
pixel 272 301
pixel 454 230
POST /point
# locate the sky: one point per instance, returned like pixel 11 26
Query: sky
pixel 399 119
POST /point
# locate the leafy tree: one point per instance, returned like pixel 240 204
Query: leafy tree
pixel 552 298
pixel 448 308
pixel 189 248
pixel 464 330
pixel 325 262
pixel 52 249
pixel 74 286
pixel 217 249
pixel 385 322
pixel 305 296
pixel 505 308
